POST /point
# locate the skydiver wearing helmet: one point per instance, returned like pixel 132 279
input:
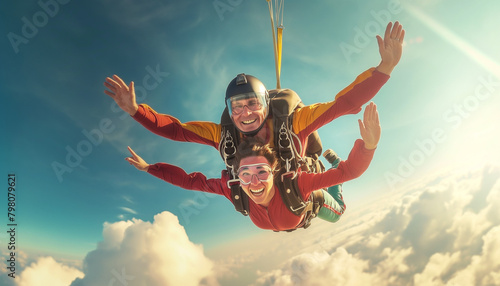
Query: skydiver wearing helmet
pixel 247 100
pixel 347 101
pixel 250 109
pixel 248 106
pixel 257 166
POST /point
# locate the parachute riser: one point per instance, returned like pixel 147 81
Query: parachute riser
pixel 277 40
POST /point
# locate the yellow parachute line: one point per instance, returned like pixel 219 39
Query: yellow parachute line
pixel 277 36
pixel 280 45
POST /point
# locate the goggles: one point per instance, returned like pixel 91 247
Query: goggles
pixel 252 100
pixel 262 171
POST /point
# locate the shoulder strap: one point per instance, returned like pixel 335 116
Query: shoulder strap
pixel 283 104
pixel 230 138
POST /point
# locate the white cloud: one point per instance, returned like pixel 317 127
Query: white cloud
pixel 142 253
pixel 129 210
pixel 47 271
pixel 128 199
pixel 319 268
pixel 132 253
pixel 21 260
pixel 443 232
pixel 447 232
pixel 486 266
pixel 483 269
pixel 438 264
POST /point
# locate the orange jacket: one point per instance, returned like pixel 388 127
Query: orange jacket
pixel 305 120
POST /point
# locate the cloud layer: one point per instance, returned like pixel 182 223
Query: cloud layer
pixel 448 233
pixel 444 231
pixel 47 271
pixel 142 253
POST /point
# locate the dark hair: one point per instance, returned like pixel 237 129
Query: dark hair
pixel 252 146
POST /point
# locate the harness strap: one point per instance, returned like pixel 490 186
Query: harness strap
pixel 290 194
pixel 281 108
pixel 240 201
pixel 289 158
pixel 316 201
pixel 227 147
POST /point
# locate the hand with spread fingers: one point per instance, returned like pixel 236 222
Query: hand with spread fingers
pixel 390 47
pixel 370 126
pixel 137 161
pixel 123 95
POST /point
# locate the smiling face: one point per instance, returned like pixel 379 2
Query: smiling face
pixel 255 171
pixel 251 114
pixel 249 110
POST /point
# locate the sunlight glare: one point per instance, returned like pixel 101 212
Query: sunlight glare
pixel 469 50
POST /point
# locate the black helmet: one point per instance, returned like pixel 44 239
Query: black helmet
pixel 243 83
pixel 246 86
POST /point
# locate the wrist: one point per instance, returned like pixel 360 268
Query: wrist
pixel 385 68
pixel 133 110
pixel 370 146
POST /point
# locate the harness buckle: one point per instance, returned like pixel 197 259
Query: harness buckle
pixel 288 175
pixel 302 206
pixel 232 182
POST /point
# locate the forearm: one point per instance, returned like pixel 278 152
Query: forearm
pixel 167 126
pixel 356 164
pixel 349 101
pixel 358 160
pixel 178 177
pixel 170 174
pixel 362 90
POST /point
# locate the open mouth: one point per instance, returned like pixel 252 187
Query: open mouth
pixel 248 122
pixel 257 192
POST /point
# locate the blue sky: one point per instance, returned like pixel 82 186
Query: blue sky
pixel 437 111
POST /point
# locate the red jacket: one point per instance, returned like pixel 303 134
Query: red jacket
pixel 305 120
pixel 276 216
